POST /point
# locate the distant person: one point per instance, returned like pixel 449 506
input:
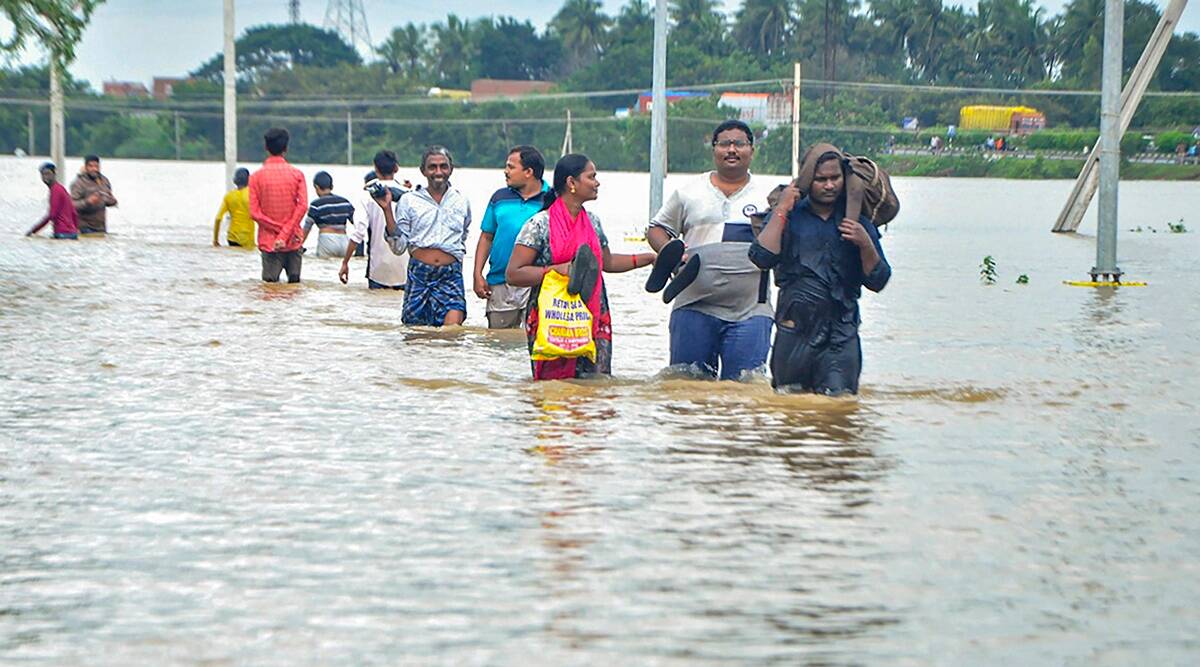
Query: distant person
pixel 1180 152
pixel 567 238
pixel 237 204
pixel 385 269
pixel 990 144
pixel 720 322
pixel 951 135
pixel 822 260
pixel 329 213
pixel 278 202
pixel 92 193
pixel 62 210
pixel 506 213
pixel 430 224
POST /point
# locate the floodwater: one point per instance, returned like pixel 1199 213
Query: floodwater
pixel 199 469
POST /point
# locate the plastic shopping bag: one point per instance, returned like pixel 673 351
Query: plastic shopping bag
pixel 564 327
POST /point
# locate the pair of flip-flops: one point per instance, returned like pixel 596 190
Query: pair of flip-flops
pixel 668 262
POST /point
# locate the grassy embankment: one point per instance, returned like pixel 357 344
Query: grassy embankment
pixel 978 166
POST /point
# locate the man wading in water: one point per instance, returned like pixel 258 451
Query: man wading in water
pixel 92 193
pixel 719 320
pixel 278 202
pixel 506 214
pixel 62 211
pixel 431 224
pixel 822 259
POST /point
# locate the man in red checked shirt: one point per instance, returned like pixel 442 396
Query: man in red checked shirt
pixel 278 203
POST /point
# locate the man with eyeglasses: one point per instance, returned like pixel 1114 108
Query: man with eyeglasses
pixel 721 319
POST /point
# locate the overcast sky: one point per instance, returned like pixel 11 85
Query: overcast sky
pixel 136 40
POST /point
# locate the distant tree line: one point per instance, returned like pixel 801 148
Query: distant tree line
pixel 1008 44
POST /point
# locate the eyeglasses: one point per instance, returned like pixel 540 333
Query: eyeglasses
pixel 732 143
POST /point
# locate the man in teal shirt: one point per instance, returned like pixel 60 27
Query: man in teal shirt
pixel 506 213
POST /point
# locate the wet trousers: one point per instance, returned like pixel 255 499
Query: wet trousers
pixel 802 362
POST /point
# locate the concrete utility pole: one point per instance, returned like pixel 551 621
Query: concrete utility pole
pixel 568 145
pixel 1110 142
pixel 1085 186
pixel 31 134
pixel 230 98
pixel 58 136
pixel 658 109
pixel 796 121
pixel 349 137
pixel 178 142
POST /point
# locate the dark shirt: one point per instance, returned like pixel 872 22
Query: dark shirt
pixel 819 274
pixel 330 210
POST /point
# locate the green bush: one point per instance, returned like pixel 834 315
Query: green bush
pixel 1167 141
pixel 1069 141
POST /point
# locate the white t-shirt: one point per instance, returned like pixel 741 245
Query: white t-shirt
pixel 383 265
pixel 717 229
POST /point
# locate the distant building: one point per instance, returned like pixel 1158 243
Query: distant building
pixel 482 89
pixel 646 99
pixel 164 87
pixel 769 109
pixel 125 89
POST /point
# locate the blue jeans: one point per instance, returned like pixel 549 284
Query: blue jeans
pixel 703 341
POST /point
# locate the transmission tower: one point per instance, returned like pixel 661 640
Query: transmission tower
pixel 349 20
pixel 294 11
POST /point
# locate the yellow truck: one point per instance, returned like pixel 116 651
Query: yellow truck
pixel 1015 120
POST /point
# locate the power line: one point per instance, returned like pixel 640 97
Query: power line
pixel 335 101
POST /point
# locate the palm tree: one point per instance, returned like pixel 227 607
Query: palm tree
pixel 895 18
pixel 1081 21
pixel 453 51
pixel 764 25
pixel 635 23
pixel 699 20
pixel 403 49
pixel 1009 41
pixel 582 29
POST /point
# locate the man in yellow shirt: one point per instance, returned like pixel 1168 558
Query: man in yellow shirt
pixel 237 205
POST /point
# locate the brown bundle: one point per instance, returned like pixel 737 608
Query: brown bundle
pixel 868 188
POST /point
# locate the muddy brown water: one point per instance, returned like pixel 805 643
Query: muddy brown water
pixel 197 468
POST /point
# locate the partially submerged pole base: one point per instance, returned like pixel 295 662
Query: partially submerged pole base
pixel 1109 281
pixel 1109 275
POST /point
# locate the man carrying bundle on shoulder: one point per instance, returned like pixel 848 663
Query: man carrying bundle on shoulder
pixel 823 251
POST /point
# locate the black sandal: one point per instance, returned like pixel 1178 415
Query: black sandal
pixel 664 265
pixel 584 272
pixel 687 275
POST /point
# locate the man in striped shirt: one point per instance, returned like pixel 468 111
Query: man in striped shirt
pixel 278 202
